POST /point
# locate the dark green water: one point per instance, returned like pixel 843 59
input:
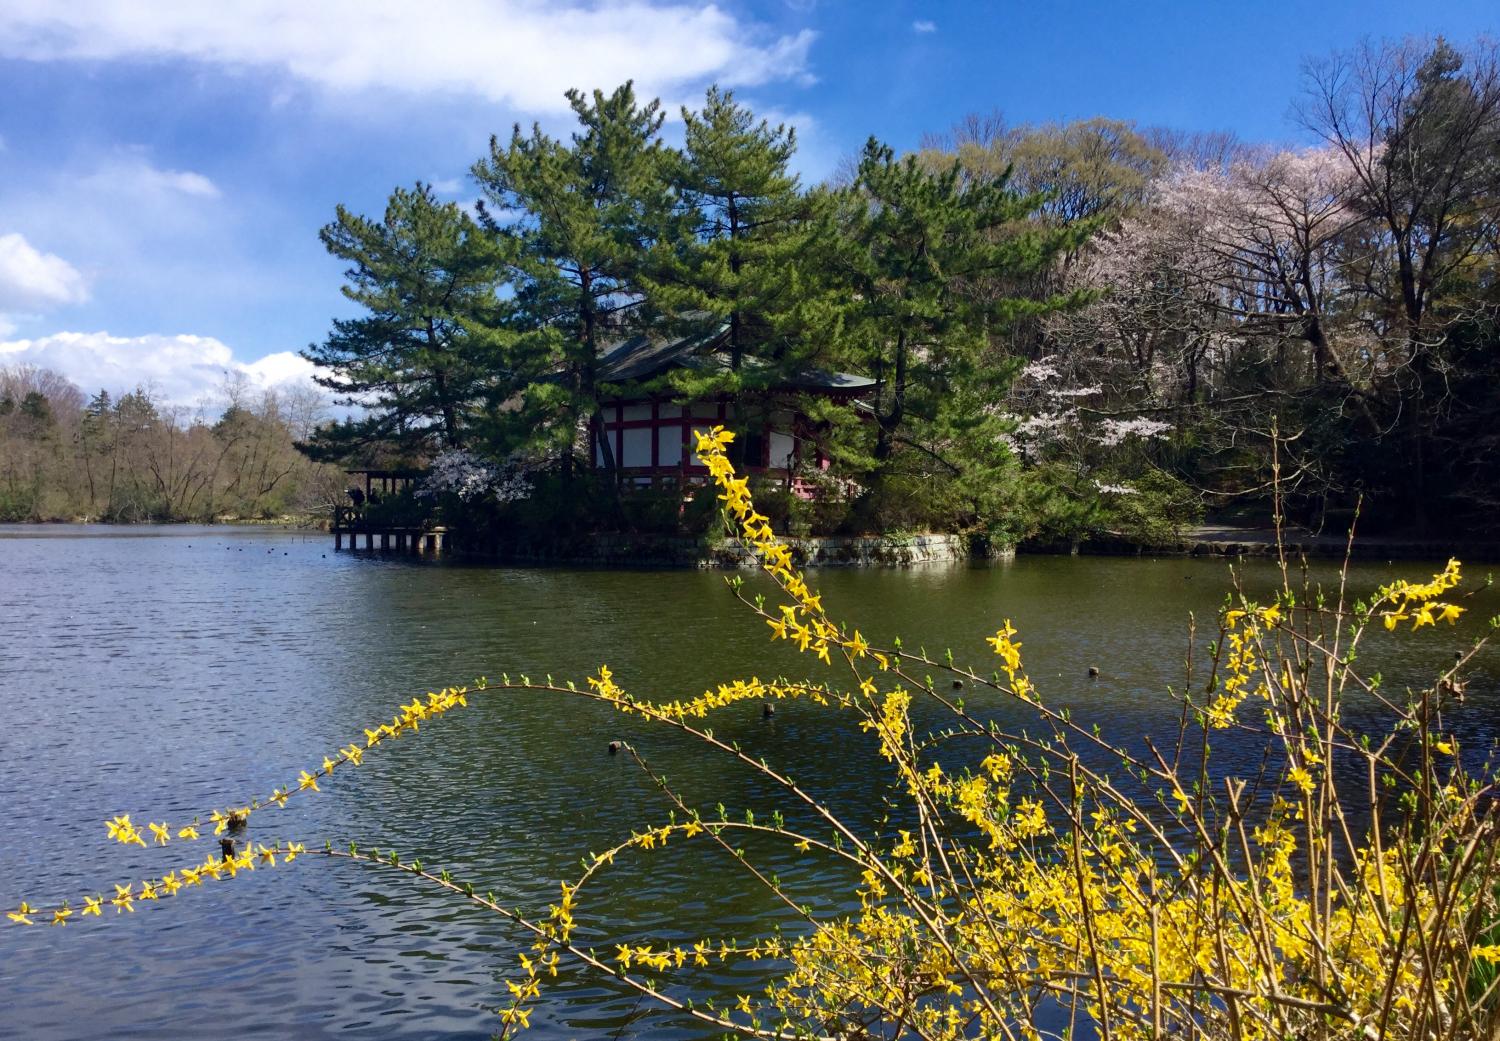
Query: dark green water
pixel 162 672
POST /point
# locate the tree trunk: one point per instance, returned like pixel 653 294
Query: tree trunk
pixel 890 421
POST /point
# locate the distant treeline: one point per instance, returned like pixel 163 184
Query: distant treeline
pixel 65 456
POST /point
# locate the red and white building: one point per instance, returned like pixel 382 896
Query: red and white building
pixel 651 436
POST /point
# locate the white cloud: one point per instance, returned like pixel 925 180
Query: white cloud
pixel 117 209
pixel 519 52
pixel 31 280
pixel 816 151
pixel 923 26
pixel 184 181
pixel 802 122
pixel 179 370
pixel 130 174
pixel 160 238
pixel 280 369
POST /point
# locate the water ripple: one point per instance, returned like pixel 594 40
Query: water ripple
pixel 161 671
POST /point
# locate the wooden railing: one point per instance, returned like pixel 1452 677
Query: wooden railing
pixel 354 521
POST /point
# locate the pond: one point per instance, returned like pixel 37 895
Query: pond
pixel 162 672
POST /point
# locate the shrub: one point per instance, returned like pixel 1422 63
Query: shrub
pixel 1151 509
pixel 653 511
pixel 701 514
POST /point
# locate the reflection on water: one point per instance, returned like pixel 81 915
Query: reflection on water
pixel 164 671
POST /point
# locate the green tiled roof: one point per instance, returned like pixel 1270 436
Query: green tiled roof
pixel 643 356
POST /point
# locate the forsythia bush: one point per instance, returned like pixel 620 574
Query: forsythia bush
pixel 1347 889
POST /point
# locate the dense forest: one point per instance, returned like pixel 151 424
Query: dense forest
pixel 1075 329
pixel 1345 293
pixel 66 456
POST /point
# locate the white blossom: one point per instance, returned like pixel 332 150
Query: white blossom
pixel 1115 431
pixel 471 479
pixel 1039 371
pixel 1077 392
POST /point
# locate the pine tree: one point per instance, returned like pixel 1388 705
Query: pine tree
pixel 753 265
pixel 926 250
pixel 581 216
pixel 746 213
pixel 422 357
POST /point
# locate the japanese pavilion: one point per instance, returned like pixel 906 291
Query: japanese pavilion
pixel 651 435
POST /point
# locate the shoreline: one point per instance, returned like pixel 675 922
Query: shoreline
pixel 627 551
pixel 288 522
pixel 1221 540
pixel 1209 541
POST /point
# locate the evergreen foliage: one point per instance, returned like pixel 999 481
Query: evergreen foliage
pixel 756 267
pixel 751 263
pixel 929 254
pixel 425 350
pixel 581 219
pixel 1074 330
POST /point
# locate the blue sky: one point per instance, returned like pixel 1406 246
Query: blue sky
pixel 165 166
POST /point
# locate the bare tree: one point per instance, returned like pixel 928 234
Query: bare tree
pixel 1419 124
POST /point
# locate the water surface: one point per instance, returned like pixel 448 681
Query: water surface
pixel 165 671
